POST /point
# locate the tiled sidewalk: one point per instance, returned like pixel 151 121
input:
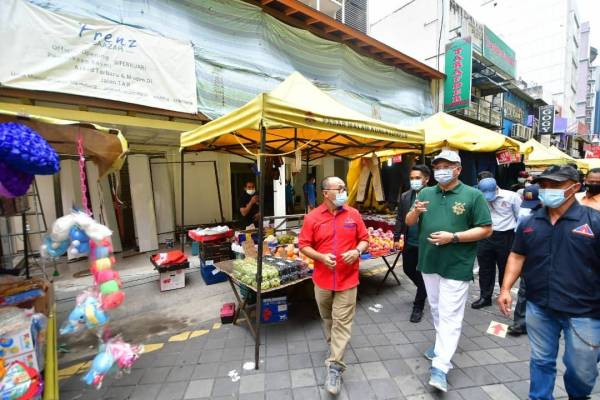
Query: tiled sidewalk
pixel 385 360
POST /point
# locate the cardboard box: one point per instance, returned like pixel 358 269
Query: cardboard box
pixel 274 309
pixel 18 345
pixel 172 280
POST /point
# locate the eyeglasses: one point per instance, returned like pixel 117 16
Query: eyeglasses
pixel 341 190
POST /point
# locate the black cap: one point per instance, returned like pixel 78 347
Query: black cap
pixel 558 173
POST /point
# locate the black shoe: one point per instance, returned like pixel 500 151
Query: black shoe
pixel 481 303
pixel 417 315
pixel 516 330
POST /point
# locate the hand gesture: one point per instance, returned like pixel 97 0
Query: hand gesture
pixel 440 238
pixel 420 206
pixel 350 256
pixel 504 302
pixel 254 199
pixel 328 260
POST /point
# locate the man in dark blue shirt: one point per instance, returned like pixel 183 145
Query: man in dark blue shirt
pixel 558 251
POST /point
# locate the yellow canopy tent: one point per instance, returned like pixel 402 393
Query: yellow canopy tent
pixel 298 115
pixel 585 164
pixel 106 147
pixel 295 116
pixel 543 155
pixel 444 130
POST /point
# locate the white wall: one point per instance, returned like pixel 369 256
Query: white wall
pixel 142 200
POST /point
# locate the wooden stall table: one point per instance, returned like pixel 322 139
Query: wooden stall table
pixel 242 306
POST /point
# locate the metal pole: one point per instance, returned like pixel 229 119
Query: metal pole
pixel 218 191
pixel 307 175
pixel 25 244
pixel 261 210
pixel 182 236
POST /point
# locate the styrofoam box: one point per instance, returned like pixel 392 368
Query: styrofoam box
pixel 172 280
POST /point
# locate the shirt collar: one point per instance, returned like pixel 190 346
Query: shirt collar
pixel 574 213
pixel 455 189
pixel 324 209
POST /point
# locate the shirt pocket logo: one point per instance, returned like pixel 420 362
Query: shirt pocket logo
pixel 349 223
pixel 584 230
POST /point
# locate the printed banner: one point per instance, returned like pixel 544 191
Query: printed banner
pixel 507 156
pixel 46 51
pixel 459 63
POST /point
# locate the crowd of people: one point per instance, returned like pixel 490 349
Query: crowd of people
pixel 545 233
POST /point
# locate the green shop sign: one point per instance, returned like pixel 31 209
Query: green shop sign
pixel 498 52
pixel 459 64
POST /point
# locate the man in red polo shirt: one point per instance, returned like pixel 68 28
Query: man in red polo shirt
pixel 334 236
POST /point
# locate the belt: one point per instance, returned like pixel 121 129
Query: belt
pixel 503 232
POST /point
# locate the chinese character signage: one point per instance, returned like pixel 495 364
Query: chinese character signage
pixel 42 50
pixel 459 63
pixel 546 124
pixel 498 52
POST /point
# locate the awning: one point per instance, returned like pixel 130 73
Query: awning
pixel 585 164
pixel 543 155
pixel 444 130
pixel 106 147
pixel 298 115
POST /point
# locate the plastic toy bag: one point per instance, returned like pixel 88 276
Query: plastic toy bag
pixel 20 382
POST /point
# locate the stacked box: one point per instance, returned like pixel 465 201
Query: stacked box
pixel 274 309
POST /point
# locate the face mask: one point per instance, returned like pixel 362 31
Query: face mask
pixel 340 199
pixel 521 180
pixel 553 198
pixel 416 184
pixel 593 188
pixel 250 192
pixel 443 176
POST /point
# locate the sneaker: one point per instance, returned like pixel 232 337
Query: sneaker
pixel 333 382
pixel 516 330
pixel 438 380
pixel 430 353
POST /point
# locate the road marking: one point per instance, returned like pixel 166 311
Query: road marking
pixel 149 348
pixel 183 336
pixel 201 332
pixel 216 325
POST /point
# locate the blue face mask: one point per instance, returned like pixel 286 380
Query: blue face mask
pixel 553 198
pixel 443 176
pixel 416 184
pixel 340 199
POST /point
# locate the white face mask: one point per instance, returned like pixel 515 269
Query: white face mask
pixel 521 180
pixel 444 176
pixel 250 192
pixel 416 184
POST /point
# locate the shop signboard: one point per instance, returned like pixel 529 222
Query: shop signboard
pixel 94 58
pixel 507 156
pixel 546 124
pixel 459 64
pixel 499 53
pixel 397 159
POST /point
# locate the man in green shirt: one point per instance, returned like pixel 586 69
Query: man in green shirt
pixel 452 217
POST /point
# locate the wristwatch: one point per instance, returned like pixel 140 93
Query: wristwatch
pixel 359 252
pixel 455 238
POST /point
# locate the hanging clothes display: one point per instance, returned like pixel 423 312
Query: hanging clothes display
pixel 370 171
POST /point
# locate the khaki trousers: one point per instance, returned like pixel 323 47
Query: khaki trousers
pixel 337 310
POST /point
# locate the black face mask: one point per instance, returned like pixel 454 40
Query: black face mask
pixel 593 188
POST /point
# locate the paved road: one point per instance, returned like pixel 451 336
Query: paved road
pixel 385 359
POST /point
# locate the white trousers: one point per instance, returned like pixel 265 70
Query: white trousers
pixel 447 299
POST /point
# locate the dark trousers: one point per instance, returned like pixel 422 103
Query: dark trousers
pixel 520 306
pixel 410 259
pixel 492 252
